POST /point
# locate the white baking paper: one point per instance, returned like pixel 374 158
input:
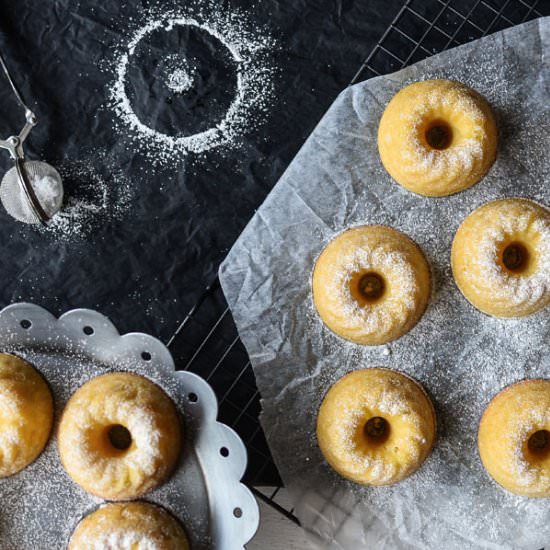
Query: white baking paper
pixel 461 356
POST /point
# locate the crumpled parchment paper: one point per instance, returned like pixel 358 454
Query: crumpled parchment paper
pixel 461 356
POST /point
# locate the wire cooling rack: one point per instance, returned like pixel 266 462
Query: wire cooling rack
pixel 207 342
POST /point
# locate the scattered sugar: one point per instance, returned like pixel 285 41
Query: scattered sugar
pixel 92 199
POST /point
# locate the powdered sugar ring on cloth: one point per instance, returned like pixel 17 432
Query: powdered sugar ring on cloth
pixel 253 86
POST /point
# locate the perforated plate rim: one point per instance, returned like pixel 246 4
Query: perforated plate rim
pixel 234 513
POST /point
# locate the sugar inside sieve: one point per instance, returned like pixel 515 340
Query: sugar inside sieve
pixel 46 184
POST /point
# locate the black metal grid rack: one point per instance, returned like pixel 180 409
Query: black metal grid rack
pixel 207 342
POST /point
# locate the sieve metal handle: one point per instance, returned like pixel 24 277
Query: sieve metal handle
pixel 14 144
pixel 29 115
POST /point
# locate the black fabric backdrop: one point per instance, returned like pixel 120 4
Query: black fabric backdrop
pixel 147 269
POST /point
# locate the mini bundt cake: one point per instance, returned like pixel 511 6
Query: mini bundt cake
pixel 371 284
pixel 437 137
pixel 514 438
pixel 119 436
pixel 26 414
pixel 376 426
pixel 129 526
pixel 501 257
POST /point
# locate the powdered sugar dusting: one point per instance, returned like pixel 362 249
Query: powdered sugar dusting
pixel 460 159
pixel 523 471
pixel 373 318
pixel 11 434
pixel 469 147
pixel 391 405
pixel 143 460
pixel 520 290
pixel 123 541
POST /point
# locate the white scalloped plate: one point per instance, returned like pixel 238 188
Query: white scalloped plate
pixel 212 464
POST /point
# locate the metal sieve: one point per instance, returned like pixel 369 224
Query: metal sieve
pixel 31 192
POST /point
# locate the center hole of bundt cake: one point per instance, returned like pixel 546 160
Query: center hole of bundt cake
pixel 439 135
pixel 119 437
pixel 539 442
pixel 515 257
pixel 377 429
pixel 371 286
